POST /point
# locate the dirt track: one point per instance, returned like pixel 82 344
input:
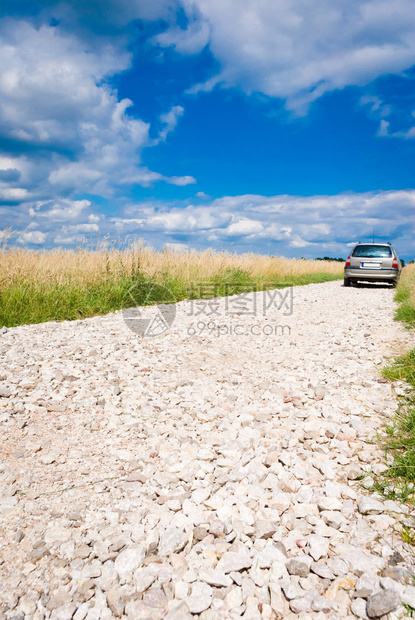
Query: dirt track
pixel 208 471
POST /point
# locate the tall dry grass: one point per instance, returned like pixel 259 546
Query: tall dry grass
pixel 86 267
pixel 37 286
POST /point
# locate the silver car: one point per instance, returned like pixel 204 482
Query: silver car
pixel 372 262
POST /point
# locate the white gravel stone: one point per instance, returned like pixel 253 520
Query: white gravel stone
pixel 358 607
pixel 321 604
pixel 370 506
pixel 318 546
pixel 277 599
pixel 57 534
pixel 200 598
pixel 408 596
pixel 390 584
pixel 215 577
pixel 179 612
pixel 252 609
pixel 128 561
pixel 234 598
pixel 329 503
pixel 232 561
pixel 291 589
pixel 322 570
pixel 198 467
pixel 143 579
pixel 338 566
pixel 367 584
pixel 269 555
pixel 172 540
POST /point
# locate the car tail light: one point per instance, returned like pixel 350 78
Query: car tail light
pixel 348 261
pixel 395 264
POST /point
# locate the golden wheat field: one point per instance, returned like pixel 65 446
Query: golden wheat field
pixel 38 286
pixel 86 267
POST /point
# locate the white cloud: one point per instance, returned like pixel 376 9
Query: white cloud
pixel 283 225
pixel 180 181
pixel 169 121
pixel 57 107
pixel 290 222
pixel 82 228
pixel 189 41
pixel 385 132
pixel 377 106
pixel 49 85
pixel 63 239
pixel 300 49
pixel 12 194
pixel 397 112
pixel 299 242
pixel 59 211
pixel 35 237
pixel 244 226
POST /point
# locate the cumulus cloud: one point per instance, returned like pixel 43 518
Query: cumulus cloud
pixel 284 225
pixel 34 237
pixel 49 85
pixel 60 210
pixel 287 225
pixel 67 129
pixel 298 50
pixel 244 226
pixel 187 41
pixel 11 195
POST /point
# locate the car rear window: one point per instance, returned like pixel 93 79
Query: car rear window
pixel 372 251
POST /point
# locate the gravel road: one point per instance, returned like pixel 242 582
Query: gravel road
pixel 213 471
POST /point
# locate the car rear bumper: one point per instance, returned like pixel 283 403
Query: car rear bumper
pixel 358 273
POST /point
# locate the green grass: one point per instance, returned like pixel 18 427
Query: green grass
pixel 398 481
pixel 405 296
pixel 23 302
pixel 406 311
pixel 398 440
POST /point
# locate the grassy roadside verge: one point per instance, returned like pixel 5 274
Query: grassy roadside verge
pixel 399 439
pixel 64 285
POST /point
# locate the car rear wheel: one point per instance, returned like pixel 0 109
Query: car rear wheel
pixel 346 282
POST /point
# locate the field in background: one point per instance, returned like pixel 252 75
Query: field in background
pixel 65 285
pixel 399 439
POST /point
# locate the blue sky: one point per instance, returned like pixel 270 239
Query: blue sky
pixel 278 127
